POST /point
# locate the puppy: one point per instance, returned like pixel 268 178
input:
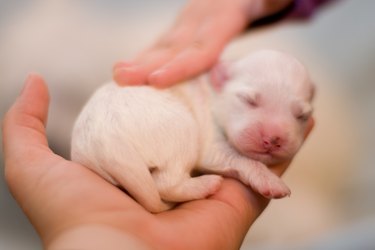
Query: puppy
pixel 233 121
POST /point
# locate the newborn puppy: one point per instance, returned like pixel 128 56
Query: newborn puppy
pixel 232 122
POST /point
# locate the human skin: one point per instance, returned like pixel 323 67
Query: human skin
pixel 72 207
pixel 194 42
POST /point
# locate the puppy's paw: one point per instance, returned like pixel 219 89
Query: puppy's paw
pixel 272 188
pixel 212 183
pixel 268 184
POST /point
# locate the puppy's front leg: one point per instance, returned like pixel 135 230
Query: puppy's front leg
pixel 228 162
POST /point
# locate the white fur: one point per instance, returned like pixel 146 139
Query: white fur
pixel 148 141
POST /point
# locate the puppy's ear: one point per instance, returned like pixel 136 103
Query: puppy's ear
pixel 219 75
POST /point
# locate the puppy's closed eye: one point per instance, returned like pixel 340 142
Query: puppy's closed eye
pixel 303 117
pixel 251 99
pixel 302 111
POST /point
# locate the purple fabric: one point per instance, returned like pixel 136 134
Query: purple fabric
pixel 298 9
pixel 305 8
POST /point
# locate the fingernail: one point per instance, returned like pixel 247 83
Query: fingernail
pixel 158 72
pixel 121 64
pixel 154 78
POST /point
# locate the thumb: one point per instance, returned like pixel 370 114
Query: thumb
pixel 24 124
pixel 24 137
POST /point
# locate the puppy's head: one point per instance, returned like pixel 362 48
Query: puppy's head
pixel 263 104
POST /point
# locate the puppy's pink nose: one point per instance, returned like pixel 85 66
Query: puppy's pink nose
pixel 272 143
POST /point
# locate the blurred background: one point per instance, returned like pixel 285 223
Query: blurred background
pixel 74 44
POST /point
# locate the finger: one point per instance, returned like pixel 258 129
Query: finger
pixel 24 124
pixel 137 72
pixel 229 213
pixel 171 44
pixel 200 51
pixel 190 62
pixel 24 137
pixel 129 75
pixel 309 127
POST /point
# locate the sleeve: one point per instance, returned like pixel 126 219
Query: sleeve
pixel 305 8
pixel 297 10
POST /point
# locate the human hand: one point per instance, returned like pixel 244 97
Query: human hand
pixel 73 208
pixel 195 41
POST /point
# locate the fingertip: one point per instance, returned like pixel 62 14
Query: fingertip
pixel 36 87
pixel 311 123
pixel 310 127
pixel 30 110
pixel 126 76
pixel 120 66
pixel 33 77
pixel 119 76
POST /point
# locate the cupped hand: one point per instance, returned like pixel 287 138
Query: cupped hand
pixel 73 208
pixel 193 44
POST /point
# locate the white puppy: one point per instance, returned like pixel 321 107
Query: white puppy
pixel 233 122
